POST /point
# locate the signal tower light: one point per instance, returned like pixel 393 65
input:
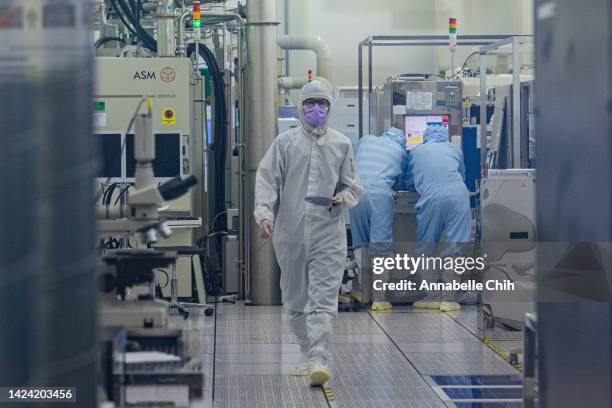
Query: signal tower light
pixel 195 18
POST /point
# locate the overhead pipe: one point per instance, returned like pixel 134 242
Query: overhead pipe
pixel 286 27
pixel 299 82
pixel 181 32
pixel 316 44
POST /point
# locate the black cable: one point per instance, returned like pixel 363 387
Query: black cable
pixel 104 40
pixel 111 243
pixel 139 11
pixel 212 276
pixel 122 193
pixel 104 195
pixel 211 228
pixel 142 35
pixel 122 18
pixel 108 191
pixel 202 241
pixel 468 60
pixel 100 192
pixel 219 146
pixel 109 194
pixel 121 10
pixel 128 11
pixel 167 278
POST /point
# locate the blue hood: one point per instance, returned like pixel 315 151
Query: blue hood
pixel 396 135
pixel 436 133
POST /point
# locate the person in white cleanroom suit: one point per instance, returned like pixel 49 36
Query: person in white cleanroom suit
pixel 309 239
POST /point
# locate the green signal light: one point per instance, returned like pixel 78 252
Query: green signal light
pixel 197 24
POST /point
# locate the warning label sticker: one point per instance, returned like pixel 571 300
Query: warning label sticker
pixel 168 116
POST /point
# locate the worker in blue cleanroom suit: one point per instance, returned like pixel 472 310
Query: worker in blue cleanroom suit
pixel 439 173
pixel 382 163
pixel 309 240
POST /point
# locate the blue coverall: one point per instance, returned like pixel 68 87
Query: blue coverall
pixel 382 163
pixel 439 173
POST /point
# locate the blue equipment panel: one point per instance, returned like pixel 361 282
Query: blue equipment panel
pixel 455 380
pixel 471 157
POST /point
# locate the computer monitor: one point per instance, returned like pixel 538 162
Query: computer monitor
pixel 109 145
pixel 415 126
pixel 167 163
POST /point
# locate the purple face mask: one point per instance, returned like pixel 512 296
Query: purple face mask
pixel 315 115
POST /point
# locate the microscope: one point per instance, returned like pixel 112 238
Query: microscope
pixel 125 268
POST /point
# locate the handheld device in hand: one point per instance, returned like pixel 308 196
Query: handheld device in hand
pixel 319 200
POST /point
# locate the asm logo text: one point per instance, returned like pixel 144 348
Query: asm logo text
pixel 144 75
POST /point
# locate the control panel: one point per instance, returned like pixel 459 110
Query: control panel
pixel 413 99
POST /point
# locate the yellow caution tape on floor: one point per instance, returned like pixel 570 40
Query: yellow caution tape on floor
pixel 328 393
pixel 501 353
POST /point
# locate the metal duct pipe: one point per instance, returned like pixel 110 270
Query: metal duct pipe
pixel 166 41
pixel 181 32
pixel 261 130
pixel 299 82
pixel 286 26
pixel 47 239
pixel 316 44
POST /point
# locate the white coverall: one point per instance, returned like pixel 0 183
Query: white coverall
pixel 309 240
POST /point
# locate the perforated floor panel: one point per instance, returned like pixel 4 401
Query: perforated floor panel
pixel 383 396
pixel 376 360
pixel 441 367
pixel 270 396
pixel 355 403
pixel 497 404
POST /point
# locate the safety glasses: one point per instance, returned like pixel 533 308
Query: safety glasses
pixel 314 101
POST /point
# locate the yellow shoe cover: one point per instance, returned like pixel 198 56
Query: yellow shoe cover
pixel 300 369
pixel 318 376
pixel 299 372
pixel 381 307
pixel 449 306
pixel 426 305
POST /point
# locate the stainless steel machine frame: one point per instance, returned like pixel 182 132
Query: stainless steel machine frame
pixel 504 119
pixel 515 46
pixel 446 99
pixel 407 41
pixel 517 102
pixel 121 83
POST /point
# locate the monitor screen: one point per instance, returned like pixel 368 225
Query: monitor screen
pixel 109 145
pixel 415 126
pixel 167 161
